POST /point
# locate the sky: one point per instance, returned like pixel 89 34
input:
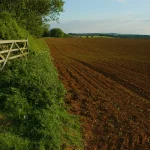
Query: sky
pixel 105 16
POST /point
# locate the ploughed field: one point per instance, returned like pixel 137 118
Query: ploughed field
pixel 108 86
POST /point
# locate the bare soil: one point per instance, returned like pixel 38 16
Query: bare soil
pixel 108 86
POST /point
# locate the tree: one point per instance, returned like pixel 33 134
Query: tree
pixel 32 14
pixel 56 32
pixel 46 32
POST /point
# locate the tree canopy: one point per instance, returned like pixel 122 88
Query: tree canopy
pixel 33 14
pixel 56 32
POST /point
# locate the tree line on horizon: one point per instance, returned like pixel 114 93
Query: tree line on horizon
pixel 113 35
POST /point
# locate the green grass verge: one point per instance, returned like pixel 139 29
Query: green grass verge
pixel 33 115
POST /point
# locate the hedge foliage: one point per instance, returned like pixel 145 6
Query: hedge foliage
pixel 32 111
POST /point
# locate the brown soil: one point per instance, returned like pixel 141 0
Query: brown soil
pixel 108 86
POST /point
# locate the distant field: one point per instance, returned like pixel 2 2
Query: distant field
pixel 108 84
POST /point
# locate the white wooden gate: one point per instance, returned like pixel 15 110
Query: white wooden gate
pixel 12 49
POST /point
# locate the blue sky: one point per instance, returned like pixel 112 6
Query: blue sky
pixel 105 16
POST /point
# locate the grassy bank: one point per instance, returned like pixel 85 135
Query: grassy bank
pixel 32 111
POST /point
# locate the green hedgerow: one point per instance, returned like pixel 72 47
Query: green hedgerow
pixel 32 106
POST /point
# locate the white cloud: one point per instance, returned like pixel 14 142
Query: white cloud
pixel 122 1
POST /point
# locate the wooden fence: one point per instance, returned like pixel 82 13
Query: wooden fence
pixel 12 49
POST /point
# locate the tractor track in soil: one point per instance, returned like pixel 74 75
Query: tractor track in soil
pixel 114 113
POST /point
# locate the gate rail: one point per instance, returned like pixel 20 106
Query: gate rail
pixel 12 49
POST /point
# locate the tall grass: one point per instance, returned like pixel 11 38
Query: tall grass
pixel 32 110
